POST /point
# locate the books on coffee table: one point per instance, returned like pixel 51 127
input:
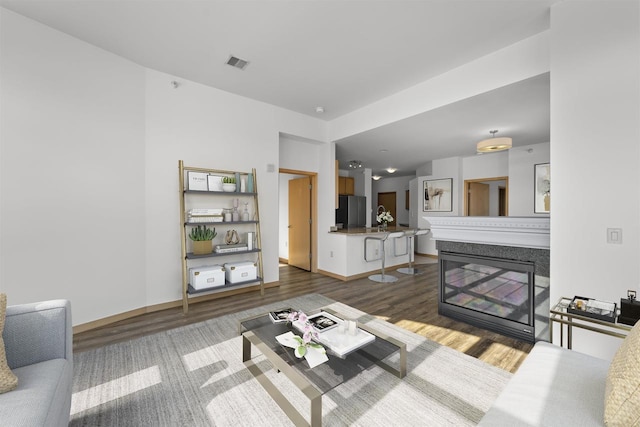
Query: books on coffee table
pixel 334 334
pixel 281 315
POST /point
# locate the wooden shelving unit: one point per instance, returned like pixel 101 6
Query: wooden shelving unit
pixel 187 199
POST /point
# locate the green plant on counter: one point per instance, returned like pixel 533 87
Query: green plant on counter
pixel 229 180
pixel 202 233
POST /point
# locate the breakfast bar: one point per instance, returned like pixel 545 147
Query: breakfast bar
pixel 350 249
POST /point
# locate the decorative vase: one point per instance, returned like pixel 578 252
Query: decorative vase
pixel 229 187
pixel 382 226
pixel 547 202
pixel 250 183
pixel 202 247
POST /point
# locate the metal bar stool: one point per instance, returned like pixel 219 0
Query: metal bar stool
pixel 382 278
pixel 409 234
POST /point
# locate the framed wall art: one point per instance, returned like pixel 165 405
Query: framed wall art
pixel 542 188
pixel 438 195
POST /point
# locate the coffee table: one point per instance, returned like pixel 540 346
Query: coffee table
pixel 313 383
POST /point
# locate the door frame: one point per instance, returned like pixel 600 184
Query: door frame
pixel 313 176
pixel 465 192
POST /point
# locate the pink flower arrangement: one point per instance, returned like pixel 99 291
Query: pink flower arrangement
pixel 308 335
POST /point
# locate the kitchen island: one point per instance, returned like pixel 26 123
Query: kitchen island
pixel 347 252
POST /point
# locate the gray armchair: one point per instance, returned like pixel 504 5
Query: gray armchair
pixel 38 340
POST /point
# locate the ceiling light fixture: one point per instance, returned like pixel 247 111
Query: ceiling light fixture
pixel 391 170
pixel 376 177
pixel 494 144
pixel 319 110
pixel 355 164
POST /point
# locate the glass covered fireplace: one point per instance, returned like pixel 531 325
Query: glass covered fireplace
pixel 492 293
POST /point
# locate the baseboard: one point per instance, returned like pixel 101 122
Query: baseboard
pixel 84 327
pixel 283 260
pixel 427 255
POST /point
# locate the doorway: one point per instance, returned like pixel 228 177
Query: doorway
pixel 486 196
pixel 301 219
pixel 388 200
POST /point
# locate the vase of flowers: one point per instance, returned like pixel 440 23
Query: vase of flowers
pixel 384 218
pixel 308 335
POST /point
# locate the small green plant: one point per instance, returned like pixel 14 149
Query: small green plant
pixel 229 180
pixel 202 233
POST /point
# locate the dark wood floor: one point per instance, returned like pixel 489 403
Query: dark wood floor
pixel 411 303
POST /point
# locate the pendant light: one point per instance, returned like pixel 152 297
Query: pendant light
pixel 494 144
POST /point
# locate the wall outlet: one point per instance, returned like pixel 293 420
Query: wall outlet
pixel 614 236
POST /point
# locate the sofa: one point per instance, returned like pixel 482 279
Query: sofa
pixel 559 387
pixel 38 341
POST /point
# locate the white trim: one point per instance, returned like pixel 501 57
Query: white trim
pixel 526 232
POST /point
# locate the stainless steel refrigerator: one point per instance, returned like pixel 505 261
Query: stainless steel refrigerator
pixel 351 211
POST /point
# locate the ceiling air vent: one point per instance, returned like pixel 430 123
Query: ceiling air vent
pixel 237 62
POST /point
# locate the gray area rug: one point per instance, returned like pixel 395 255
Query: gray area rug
pixel 194 376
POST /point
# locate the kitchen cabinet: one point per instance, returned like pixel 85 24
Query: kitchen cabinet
pixel 346 186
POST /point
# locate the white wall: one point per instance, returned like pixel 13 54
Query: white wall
pixel 595 154
pixel 522 161
pixel 517 164
pixel 399 185
pixel 442 169
pixel 72 200
pixel 96 139
pixel 527 58
pixel 208 128
pixel 302 155
pixel 485 165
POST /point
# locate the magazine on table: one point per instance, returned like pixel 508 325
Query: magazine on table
pixel 281 315
pixel 322 321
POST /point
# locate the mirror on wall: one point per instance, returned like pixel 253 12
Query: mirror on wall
pixel 486 196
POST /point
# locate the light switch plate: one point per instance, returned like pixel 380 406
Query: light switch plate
pixel 614 236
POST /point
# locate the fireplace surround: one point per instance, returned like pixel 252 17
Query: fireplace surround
pixel 494 273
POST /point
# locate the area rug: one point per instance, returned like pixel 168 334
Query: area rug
pixel 194 376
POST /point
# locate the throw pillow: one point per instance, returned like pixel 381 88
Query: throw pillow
pixel 622 392
pixel 8 381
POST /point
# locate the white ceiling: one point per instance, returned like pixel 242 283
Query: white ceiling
pixel 520 111
pixel 341 55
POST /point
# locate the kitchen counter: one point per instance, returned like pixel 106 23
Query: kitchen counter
pixel 369 230
pixel 346 252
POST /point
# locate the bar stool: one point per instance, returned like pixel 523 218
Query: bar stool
pixel 410 234
pixel 382 278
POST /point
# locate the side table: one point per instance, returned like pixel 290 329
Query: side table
pixel 559 314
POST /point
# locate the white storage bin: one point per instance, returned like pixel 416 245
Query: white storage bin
pixel 240 271
pixel 208 276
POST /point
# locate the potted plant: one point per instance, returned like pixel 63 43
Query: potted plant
pixel 202 237
pixel 229 183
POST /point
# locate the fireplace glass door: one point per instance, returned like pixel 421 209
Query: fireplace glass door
pixel 489 292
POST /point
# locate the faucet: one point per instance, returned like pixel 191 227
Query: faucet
pixel 383 209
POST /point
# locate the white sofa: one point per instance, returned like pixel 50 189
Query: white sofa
pixel 553 387
pixel 559 387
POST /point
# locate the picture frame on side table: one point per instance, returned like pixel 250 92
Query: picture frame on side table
pixel 542 188
pixel 438 195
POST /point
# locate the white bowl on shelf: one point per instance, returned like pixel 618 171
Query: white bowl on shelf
pixel 228 187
